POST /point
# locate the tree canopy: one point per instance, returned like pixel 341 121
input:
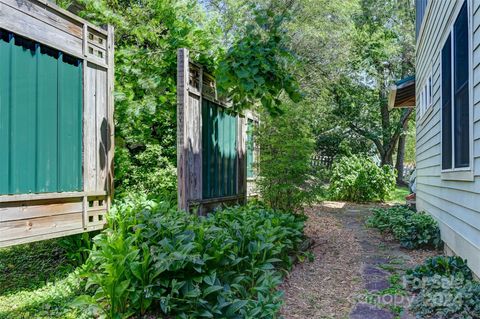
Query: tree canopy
pixel 330 60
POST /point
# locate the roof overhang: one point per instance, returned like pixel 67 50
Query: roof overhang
pixel 402 94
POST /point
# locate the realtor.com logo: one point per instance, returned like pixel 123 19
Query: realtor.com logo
pixel 436 291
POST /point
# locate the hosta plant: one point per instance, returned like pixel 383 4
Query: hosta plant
pixel 158 260
pixel 412 229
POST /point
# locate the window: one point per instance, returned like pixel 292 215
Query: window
pixel 455 96
pixel 425 97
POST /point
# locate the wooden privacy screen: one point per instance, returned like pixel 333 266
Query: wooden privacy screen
pixel 56 122
pixel 211 143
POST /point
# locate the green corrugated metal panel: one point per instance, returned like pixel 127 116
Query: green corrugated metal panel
pixel 47 134
pixel 4 112
pixel 22 117
pixel 219 155
pixel 70 128
pixel 250 149
pixel 40 118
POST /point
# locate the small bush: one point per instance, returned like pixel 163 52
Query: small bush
pixel 444 289
pixel 286 146
pixel 440 265
pixel 226 265
pixel 412 229
pixel 447 297
pixel 359 179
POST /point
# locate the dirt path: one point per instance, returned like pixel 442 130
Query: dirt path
pixel 350 276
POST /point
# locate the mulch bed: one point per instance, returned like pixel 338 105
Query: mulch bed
pixel 330 286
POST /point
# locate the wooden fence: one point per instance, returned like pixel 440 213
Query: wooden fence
pixel 211 142
pixel 56 122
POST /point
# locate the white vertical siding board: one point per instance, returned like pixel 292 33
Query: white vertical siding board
pixel 90 158
pixel 101 128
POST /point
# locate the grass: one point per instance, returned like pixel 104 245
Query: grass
pixel 37 281
pixel 398 195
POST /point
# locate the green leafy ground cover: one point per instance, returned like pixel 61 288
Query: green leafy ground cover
pixel 37 281
pixel 412 229
pixel 156 260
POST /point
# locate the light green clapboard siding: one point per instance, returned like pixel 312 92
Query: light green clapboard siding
pixel 454 204
pixel 40 118
pixel 219 151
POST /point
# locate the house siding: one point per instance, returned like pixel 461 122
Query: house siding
pixel 455 204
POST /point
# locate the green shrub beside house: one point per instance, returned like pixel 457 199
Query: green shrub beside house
pixel 412 229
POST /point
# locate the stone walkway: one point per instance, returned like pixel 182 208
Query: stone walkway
pixel 351 275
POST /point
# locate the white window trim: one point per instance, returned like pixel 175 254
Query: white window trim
pixel 464 173
pixel 426 98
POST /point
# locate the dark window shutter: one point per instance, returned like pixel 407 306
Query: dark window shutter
pixel 461 94
pixel 447 105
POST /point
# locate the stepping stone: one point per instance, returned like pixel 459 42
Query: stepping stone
pixel 377 260
pixel 373 271
pixel 366 311
pixel 377 285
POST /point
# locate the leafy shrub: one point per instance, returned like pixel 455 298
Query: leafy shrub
pixel 444 289
pixel 440 265
pixel 412 229
pixel 359 179
pixel 286 146
pixel 447 297
pixel 148 172
pixel 157 259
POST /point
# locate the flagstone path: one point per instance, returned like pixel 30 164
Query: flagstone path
pixel 350 276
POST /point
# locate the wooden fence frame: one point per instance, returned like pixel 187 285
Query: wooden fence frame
pixel 31 217
pixel 194 85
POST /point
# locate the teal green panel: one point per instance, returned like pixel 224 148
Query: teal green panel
pixel 250 149
pixel 69 125
pixel 47 121
pixel 221 149
pixel 5 48
pixel 235 157
pixel 40 118
pixel 23 118
pixel 216 152
pixel 219 133
pixel 205 152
